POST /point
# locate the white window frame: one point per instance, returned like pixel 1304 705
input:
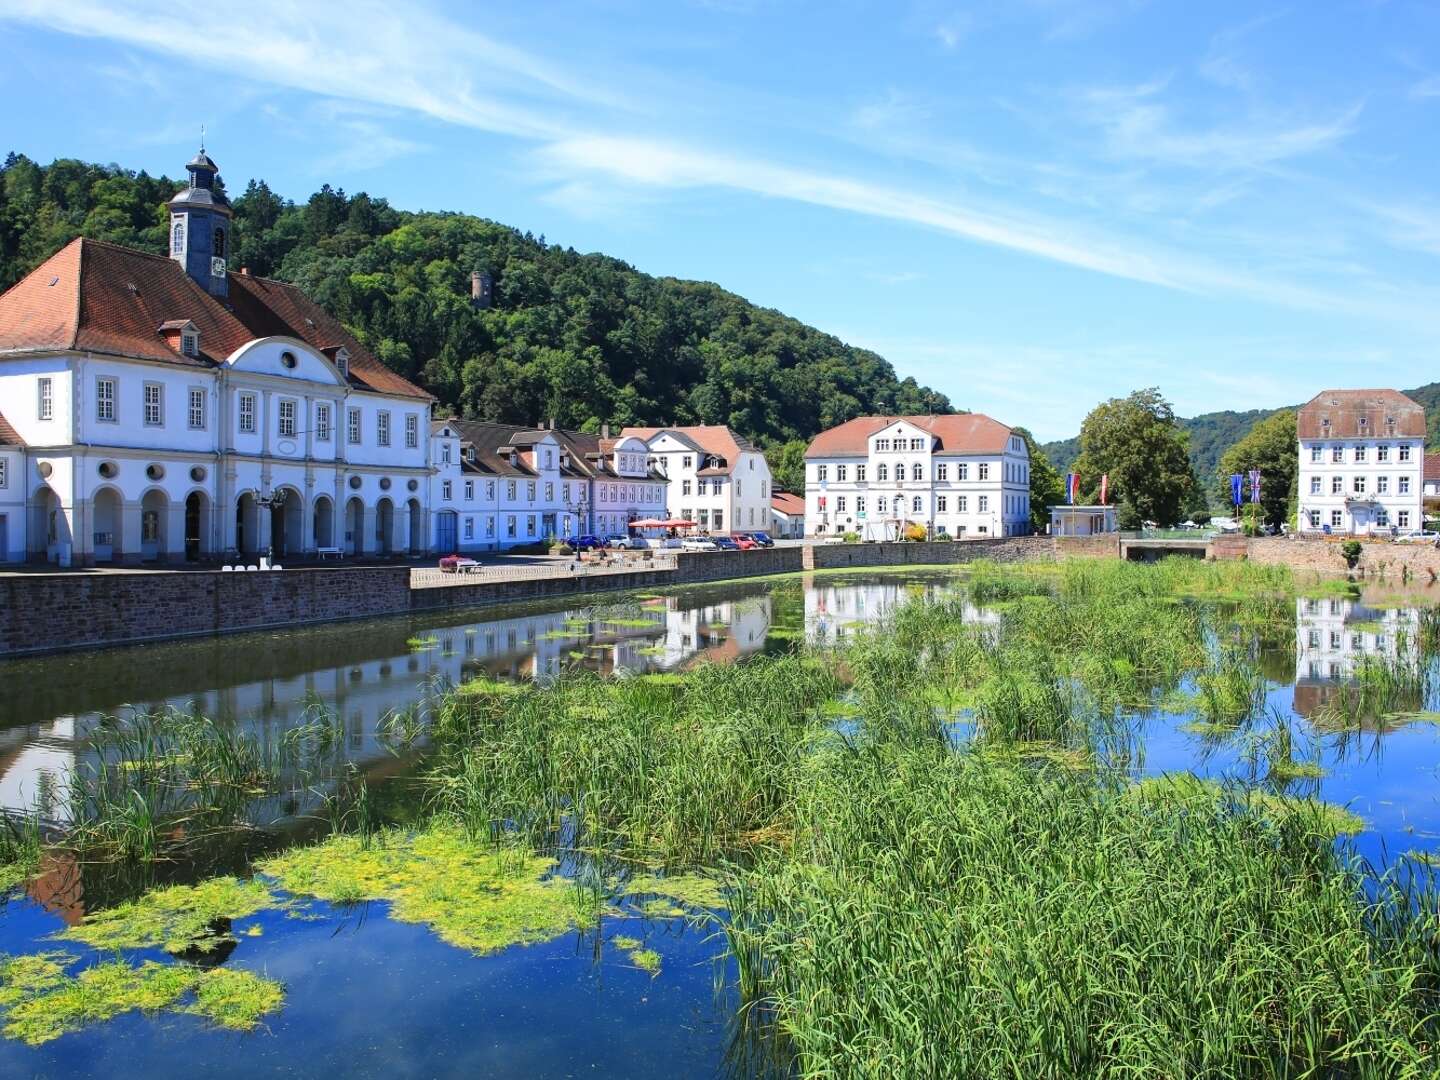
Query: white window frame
pixel 447 492
pixel 45 398
pixel 195 413
pixel 412 431
pixel 156 408
pixel 105 390
pixel 286 425
pixel 382 428
pixel 322 421
pixel 4 472
pixel 247 410
pixel 353 433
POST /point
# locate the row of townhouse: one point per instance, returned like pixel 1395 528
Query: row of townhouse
pixel 162 408
pixel 877 476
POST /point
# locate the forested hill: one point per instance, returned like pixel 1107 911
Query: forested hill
pixel 1211 434
pixel 578 338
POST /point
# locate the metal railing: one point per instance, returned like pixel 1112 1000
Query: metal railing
pixel 427 577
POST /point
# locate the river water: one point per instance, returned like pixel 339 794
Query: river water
pixel 368 996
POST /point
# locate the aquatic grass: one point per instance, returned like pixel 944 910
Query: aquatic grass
pixel 947 914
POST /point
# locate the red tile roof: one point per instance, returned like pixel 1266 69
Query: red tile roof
pixel 1432 459
pixel 714 439
pixel 8 435
pixel 786 503
pixel 91 296
pixel 963 433
pixel 1344 409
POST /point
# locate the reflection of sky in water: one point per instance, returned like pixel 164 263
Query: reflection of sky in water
pixel 369 997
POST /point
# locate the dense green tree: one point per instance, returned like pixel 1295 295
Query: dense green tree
pixel 1271 447
pixel 1136 441
pixel 584 339
pixel 1047 486
pixel 787 465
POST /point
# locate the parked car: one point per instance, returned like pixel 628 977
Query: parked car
pixel 746 542
pixel 699 543
pixel 456 564
pixel 587 542
pixel 761 539
pixel 671 543
pixel 615 540
pixel 1419 537
pixel 726 543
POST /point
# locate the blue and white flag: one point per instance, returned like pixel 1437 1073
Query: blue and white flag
pixel 1236 482
pixel 1254 485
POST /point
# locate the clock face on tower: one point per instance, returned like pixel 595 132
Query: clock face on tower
pixel 217 267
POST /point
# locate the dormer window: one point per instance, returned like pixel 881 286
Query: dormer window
pixel 342 361
pixel 469 453
pixel 190 343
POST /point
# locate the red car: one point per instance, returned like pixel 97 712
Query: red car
pixel 745 543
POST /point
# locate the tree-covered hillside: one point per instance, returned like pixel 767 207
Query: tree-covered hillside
pixel 579 338
pixel 1211 434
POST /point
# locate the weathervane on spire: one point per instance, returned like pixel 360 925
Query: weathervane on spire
pixel 202 138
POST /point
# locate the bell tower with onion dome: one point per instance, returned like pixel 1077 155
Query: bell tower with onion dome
pixel 200 226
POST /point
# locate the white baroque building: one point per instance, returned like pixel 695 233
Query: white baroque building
pixel 497 486
pixel 964 475
pixel 1362 456
pixel 166 408
pixel 717 479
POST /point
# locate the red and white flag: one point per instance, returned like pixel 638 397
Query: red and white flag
pixel 1105 489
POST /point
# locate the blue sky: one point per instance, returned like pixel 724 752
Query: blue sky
pixel 1030 204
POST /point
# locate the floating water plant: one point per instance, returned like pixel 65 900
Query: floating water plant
pixel 178 919
pixel 473 897
pixel 41 1000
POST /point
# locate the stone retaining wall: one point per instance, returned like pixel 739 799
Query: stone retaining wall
pixel 53 612
pixel 1376 557
pixel 49 612
pixel 1100 546
pixel 1000 549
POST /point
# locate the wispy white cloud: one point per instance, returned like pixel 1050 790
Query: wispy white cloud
pixel 1426 88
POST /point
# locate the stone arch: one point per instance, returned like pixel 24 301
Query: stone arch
pixel 49 532
pixel 287 523
pixel 385 527
pixel 355 526
pixel 154 524
pixel 199 535
pixel 108 523
pixel 322 514
pixel 417 527
pixel 247 523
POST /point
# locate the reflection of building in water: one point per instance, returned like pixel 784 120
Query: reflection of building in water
pixel 38 758
pixel 834 611
pixel 1332 636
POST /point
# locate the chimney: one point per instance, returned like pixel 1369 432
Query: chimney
pixel 245 271
pixel 552 423
pixel 605 431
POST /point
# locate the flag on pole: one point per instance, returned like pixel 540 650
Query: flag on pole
pixel 1254 485
pixel 1104 488
pixel 1236 481
pixel 1072 487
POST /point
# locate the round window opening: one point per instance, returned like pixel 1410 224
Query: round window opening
pixel 155 472
pixel 197 473
pixel 384 483
pixel 288 359
pixel 355 483
pixel 108 469
pixel 45 469
pixel 413 485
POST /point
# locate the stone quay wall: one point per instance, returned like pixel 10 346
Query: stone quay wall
pixel 1377 558
pixel 42 613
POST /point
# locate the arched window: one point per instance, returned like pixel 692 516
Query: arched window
pixel 177 237
pixel 883 472
pixel 915 504
pixel 219 251
pixel 917 472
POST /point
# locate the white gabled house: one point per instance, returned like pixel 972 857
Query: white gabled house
pixel 964 475
pixel 1362 461
pixel 716 478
